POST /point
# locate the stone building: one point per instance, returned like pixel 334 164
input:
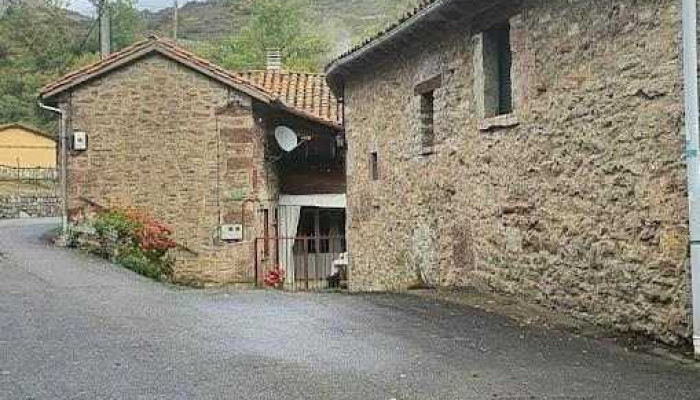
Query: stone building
pixel 533 148
pixel 193 145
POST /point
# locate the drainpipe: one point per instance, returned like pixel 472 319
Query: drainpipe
pixel 64 191
pixel 692 128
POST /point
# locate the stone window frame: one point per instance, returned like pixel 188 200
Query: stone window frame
pixel 490 119
pixel 426 93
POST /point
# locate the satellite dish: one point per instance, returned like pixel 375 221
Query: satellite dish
pixel 286 138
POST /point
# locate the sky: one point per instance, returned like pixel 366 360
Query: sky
pixel 85 7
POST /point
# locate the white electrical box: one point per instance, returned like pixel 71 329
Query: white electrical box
pixel 80 141
pixel 231 233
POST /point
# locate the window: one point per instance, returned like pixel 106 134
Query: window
pixel 374 166
pixel 497 63
pixel 426 91
pixel 427 120
pixel 266 232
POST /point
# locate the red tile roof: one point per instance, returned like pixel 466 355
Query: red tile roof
pixel 303 94
pixel 301 91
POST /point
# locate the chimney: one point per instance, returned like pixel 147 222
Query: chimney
pixel 273 60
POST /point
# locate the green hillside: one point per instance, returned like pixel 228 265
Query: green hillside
pixel 40 40
pixel 344 21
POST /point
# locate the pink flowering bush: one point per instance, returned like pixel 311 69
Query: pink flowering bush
pixel 136 241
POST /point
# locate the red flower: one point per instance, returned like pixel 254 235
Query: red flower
pixel 274 277
pixel 151 235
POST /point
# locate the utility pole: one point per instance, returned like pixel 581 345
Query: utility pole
pixel 175 20
pixel 105 29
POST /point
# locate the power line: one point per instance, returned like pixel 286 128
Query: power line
pixel 81 48
pixel 83 43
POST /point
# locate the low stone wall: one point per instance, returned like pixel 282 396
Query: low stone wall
pixel 25 206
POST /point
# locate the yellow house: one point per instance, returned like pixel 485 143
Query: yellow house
pixel 27 147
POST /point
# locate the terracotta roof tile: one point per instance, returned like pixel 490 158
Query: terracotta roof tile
pixel 302 91
pixel 266 86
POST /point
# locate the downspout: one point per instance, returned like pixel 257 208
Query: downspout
pixel 64 191
pixel 692 128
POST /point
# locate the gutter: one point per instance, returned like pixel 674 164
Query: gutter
pixel 692 130
pixel 62 141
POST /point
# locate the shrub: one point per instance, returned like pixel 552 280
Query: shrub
pixel 140 263
pixel 152 236
pixel 136 241
pixel 115 224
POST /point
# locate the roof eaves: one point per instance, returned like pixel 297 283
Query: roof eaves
pixel 412 17
pixel 216 72
pixel 29 128
pixel 307 115
pixel 144 48
pixel 91 71
pixel 244 82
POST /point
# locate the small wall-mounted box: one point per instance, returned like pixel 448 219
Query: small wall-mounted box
pixel 80 141
pixel 231 233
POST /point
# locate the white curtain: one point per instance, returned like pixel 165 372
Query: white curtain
pixel 288 226
pixel 316 200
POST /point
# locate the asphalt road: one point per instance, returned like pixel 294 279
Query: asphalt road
pixel 74 327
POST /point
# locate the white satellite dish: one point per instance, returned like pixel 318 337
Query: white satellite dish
pixel 286 138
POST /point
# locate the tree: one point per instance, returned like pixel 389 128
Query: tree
pixel 38 42
pixel 282 25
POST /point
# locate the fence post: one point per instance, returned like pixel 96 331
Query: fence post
pixel 19 180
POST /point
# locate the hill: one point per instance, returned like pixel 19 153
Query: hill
pixel 346 21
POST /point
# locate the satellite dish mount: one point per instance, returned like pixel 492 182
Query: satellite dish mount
pixel 287 139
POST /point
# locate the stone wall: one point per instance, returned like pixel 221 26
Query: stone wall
pixel 160 141
pixel 26 206
pixel 581 206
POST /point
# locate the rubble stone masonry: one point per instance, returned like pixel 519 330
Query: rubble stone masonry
pixel 160 141
pixel 28 205
pixel 580 206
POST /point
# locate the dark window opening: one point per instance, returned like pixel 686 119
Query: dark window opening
pixel 427 119
pixel 498 62
pixel 374 166
pixel 266 232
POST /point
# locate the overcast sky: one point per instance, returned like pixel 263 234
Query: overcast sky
pixel 85 7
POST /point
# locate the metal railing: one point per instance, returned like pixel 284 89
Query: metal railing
pixel 310 263
pixel 21 181
pixel 13 173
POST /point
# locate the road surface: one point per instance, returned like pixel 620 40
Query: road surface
pixel 75 327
